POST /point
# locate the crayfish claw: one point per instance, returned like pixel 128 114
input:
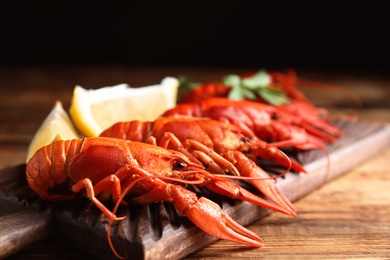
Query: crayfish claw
pixel 262 181
pixel 273 193
pixel 230 223
pixel 210 218
pixel 232 190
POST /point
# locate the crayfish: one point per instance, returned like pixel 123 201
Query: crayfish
pixel 268 123
pixel 296 122
pixel 206 142
pixel 220 146
pixel 106 167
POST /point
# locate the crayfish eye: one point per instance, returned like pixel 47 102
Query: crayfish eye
pixel 178 165
pixel 275 116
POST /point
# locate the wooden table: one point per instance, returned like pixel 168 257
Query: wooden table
pixel 347 218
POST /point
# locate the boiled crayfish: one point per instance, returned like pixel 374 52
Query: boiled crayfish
pixel 162 156
pixel 220 146
pixel 105 167
pixel 294 121
pixel 268 123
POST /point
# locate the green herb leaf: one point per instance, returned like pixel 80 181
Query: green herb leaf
pixel 257 85
pixel 186 83
pixel 233 81
pixel 236 94
pixel 248 93
pixel 246 88
pixel 260 80
pixel 273 96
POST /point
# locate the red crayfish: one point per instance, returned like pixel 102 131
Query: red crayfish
pixel 105 167
pixel 295 122
pixel 220 146
pixel 195 143
pixel 266 122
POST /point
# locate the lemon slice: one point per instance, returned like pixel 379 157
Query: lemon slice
pixel 93 111
pixel 56 126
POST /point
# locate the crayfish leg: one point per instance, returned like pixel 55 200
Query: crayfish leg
pixel 87 184
pixel 170 138
pixel 213 159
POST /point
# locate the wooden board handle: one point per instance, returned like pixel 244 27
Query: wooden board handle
pixel 22 229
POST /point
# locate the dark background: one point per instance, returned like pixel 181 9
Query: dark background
pixel 319 35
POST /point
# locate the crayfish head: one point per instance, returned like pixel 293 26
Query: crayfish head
pixel 180 165
pixel 165 162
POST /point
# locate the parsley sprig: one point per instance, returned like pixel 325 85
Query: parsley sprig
pixel 257 85
pixel 187 83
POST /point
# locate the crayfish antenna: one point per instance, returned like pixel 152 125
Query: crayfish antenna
pixel 319 85
pixel 315 144
pixel 117 204
pixel 272 153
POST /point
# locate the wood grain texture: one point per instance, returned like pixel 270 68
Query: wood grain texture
pixel 22 229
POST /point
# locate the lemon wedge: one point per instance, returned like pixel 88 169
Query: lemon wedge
pixel 56 126
pixel 92 111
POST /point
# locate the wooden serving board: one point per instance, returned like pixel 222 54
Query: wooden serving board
pixel 157 231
